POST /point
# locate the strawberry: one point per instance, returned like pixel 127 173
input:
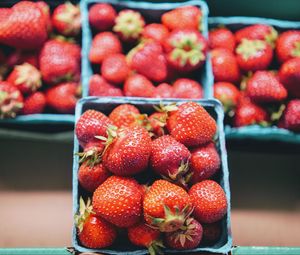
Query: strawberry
pixel 187 88
pixel 166 206
pixel 191 124
pixel 222 38
pixel 16 29
pixel 291 116
pixel 288 45
pixel 224 66
pixel 19 57
pixel 103 45
pixel 263 87
pixel 143 56
pixel 45 9
pixel 253 55
pixel 158 121
pixel 211 233
pixel 124 115
pixel 144 236
pixel 156 32
pixel 289 76
pixel 11 100
pixel 262 32
pixel 128 150
pixel 93 231
pixel 129 25
pixel 163 90
pixel 92 153
pixel 187 237
pixel 34 103
pixel 169 158
pixel 90 176
pixel 204 163
pixel 138 85
pixel 102 16
pixel 186 49
pixel 119 201
pixel 63 97
pixel 90 124
pixel 186 17
pixel 101 88
pixel 209 201
pixel 227 93
pixel 26 77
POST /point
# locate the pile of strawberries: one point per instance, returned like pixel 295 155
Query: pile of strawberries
pixel 132 58
pixel 39 58
pixel 149 178
pixel 257 75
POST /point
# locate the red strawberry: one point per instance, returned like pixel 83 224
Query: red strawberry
pixel 187 88
pixel 186 17
pixel 114 68
pixel 156 32
pixel 211 233
pixel 289 75
pixel 209 201
pixel 34 103
pixel 11 100
pixel 16 29
pixel 163 90
pixel 18 57
pixel 44 7
pixel 129 25
pixel 101 88
pixel 102 16
pixel 93 231
pixel 189 237
pixel 166 206
pixel 257 32
pixel 186 49
pixel 158 121
pixel 169 158
pixel 227 93
pixel 288 45
pixel 224 65
pixel 26 77
pixel 204 163
pixel 253 55
pixel 63 97
pixel 66 19
pixel 191 124
pixel 291 116
pixel 128 151
pixel 119 201
pixel 143 56
pixel 103 45
pixel 90 124
pixel 138 86
pixel 124 115
pixel 263 87
pixel 222 38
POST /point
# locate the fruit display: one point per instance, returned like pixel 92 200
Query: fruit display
pixel 40 57
pixel 150 175
pixel 131 53
pixel 256 68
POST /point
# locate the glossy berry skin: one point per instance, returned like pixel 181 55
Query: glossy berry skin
pixel 90 124
pixel 129 152
pixel 227 93
pixel 209 201
pixel 156 32
pixel 211 233
pixel 115 69
pixel 291 116
pixel 124 115
pixel 163 90
pixel 204 163
pixel 119 201
pixel 138 85
pixel 97 233
pixel 288 45
pixel 158 121
pixel 222 38
pixel 187 88
pixel 191 124
pixel 225 66
pixel 103 45
pixel 98 86
pixel 34 103
pixel 102 16
pixel 91 176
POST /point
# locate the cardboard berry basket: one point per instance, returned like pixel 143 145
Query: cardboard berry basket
pixel 257 132
pixel 152 12
pixel 106 105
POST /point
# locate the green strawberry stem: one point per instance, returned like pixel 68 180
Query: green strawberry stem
pixel 296 50
pixel 156 247
pixel 272 37
pixel 249 48
pixel 111 135
pixel 92 157
pixel 84 212
pixel 166 108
